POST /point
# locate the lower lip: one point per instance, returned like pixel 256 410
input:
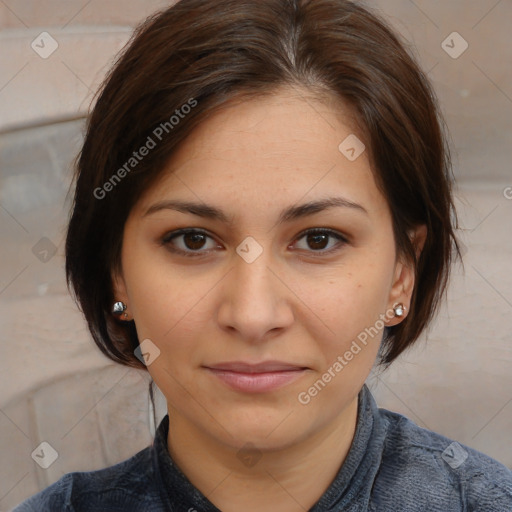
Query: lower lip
pixel 257 382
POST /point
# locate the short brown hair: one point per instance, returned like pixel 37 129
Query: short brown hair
pixel 202 53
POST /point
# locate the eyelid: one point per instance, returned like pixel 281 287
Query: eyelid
pixel 342 240
pixel 330 231
pixel 333 233
pixel 167 238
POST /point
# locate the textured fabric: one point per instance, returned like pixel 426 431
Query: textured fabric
pixel 393 465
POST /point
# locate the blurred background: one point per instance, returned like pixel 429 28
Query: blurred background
pixel 56 387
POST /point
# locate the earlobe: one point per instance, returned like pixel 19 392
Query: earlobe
pixel 399 309
pixel 120 305
pixel 405 278
pixel 119 308
pixel 401 292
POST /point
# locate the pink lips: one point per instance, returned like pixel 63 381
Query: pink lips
pixel 256 378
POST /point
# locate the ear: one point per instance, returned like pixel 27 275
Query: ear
pixel 404 276
pixel 121 294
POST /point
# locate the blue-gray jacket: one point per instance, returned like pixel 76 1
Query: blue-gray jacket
pixel 393 466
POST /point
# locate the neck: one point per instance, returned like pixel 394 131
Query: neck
pixel 289 479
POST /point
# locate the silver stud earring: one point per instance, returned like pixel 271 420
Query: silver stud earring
pixel 399 309
pixel 118 308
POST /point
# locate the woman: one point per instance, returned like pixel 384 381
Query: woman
pixel 263 211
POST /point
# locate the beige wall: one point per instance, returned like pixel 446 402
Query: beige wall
pixel 56 387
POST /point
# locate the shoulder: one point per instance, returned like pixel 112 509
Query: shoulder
pixel 449 472
pixel 126 486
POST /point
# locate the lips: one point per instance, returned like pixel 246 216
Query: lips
pixel 263 367
pixel 256 377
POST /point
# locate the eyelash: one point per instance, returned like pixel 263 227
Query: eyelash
pixel 196 254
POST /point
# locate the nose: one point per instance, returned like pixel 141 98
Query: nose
pixel 255 300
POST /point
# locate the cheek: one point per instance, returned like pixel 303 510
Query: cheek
pixel 350 298
pixel 165 304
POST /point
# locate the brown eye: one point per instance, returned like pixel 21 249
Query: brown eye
pixel 317 240
pixel 188 242
pixel 194 241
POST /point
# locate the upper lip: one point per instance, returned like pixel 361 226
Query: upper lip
pixel 265 366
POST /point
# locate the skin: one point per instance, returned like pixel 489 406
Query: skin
pixel 301 301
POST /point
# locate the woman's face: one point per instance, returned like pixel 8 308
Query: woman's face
pixel 252 285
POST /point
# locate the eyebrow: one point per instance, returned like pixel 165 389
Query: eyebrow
pixel 287 215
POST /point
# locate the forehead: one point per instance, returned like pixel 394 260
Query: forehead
pixel 275 149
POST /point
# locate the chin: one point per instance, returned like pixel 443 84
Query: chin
pixel 275 433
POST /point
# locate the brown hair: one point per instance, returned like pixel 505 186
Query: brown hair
pixel 187 61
